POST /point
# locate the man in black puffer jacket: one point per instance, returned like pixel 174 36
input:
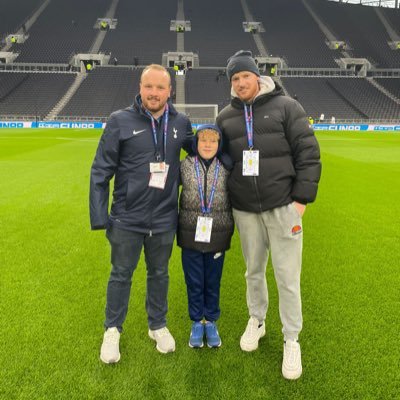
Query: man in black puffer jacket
pixel 276 173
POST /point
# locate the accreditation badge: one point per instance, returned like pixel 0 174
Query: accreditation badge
pixel 250 162
pixel 158 179
pixel 203 229
pixel 157 166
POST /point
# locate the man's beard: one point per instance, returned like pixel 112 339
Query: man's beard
pixel 154 108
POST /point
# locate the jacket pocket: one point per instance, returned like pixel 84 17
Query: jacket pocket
pixel 136 192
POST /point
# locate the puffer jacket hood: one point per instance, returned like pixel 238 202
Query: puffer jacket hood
pixel 223 157
pixel 203 128
pixel 267 85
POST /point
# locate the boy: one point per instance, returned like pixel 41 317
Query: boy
pixel 204 232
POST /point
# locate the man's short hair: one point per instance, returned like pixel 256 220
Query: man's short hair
pixel 156 67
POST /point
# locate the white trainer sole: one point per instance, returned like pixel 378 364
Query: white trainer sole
pixel 110 362
pixel 292 375
pixel 252 346
pixel 158 348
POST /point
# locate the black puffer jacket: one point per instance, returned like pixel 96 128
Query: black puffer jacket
pixel 289 166
pixel 189 206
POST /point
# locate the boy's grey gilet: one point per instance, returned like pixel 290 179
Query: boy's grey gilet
pixel 189 210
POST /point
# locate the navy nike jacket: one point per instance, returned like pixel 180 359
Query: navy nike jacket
pixel 125 152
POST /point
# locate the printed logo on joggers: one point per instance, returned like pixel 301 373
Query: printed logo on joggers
pixel 296 230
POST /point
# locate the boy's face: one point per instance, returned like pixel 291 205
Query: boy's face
pixel 207 144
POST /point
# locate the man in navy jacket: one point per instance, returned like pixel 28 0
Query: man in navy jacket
pixel 140 147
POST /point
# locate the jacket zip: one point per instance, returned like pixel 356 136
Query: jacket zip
pixel 205 170
pixel 257 193
pixel 152 200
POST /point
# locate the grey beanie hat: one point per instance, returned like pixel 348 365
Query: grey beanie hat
pixel 241 61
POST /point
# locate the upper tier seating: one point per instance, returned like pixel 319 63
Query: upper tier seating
pixel 14 13
pixel 218 33
pixel 142 32
pixel 293 36
pixel 64 28
pixel 360 27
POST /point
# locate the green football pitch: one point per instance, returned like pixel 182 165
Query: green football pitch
pixel 54 271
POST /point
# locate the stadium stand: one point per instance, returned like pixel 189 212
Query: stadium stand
pixel 63 29
pixel 318 97
pixel 142 33
pixel 221 26
pixel 361 94
pixel 10 82
pixel 344 98
pixel 391 85
pixel 293 36
pixel 360 27
pixel 104 91
pixel 393 16
pixel 14 13
pixel 33 94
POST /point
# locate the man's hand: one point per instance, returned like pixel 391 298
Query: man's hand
pixel 301 208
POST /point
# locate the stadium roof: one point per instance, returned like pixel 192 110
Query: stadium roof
pixel 376 3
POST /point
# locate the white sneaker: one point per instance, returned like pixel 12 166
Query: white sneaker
pixel 252 334
pixel 109 352
pixel 164 339
pixel 291 364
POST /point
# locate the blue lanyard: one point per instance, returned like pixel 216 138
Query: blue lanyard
pixel 248 117
pixel 205 210
pixel 154 129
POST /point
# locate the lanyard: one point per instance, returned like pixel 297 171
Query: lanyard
pixel 248 117
pixel 154 129
pixel 205 210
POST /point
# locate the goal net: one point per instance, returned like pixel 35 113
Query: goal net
pixel 199 113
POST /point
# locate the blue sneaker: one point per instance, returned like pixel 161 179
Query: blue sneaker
pixel 196 335
pixel 212 335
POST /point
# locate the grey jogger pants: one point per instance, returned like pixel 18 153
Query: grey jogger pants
pixel 279 231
